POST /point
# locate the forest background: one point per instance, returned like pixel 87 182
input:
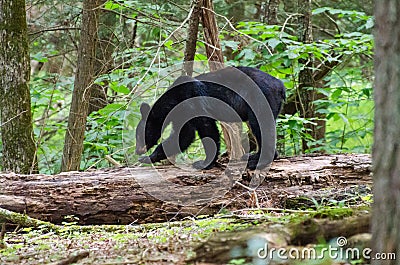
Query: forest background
pixel 137 39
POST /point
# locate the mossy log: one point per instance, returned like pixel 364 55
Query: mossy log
pixel 218 248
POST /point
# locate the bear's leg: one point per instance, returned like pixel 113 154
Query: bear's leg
pixel 209 134
pixel 255 129
pixel 254 159
pixel 176 143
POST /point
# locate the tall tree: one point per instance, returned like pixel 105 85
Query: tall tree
pixel 191 39
pixel 104 60
pixel 232 131
pixel 19 150
pixel 386 151
pixel 271 12
pixel 306 86
pixel 74 136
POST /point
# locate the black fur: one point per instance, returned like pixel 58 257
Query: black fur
pixel 199 103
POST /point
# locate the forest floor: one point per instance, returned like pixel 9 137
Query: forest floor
pixel 309 212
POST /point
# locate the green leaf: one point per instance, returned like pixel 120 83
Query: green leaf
pixel 367 92
pixel 292 54
pixel 370 23
pixel 119 88
pixel 200 57
pixel 336 94
pixel 168 44
pixel 231 44
pixel 273 42
pixel 111 109
pixel 320 10
pixel 39 57
pixel 344 118
pixel 111 5
pixel 248 54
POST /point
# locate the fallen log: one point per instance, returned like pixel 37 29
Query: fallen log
pixel 145 194
pixel 218 248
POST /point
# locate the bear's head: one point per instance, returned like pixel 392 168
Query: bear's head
pixel 147 131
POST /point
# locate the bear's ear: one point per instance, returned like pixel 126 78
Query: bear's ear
pixel 144 110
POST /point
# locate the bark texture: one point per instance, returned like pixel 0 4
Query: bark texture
pixel 306 88
pixel 73 145
pixel 119 196
pixel 191 39
pixel 271 12
pixel 211 36
pixel 232 131
pixel 18 146
pixel 104 61
pixel 386 151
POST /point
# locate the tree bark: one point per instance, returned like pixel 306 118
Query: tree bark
pixel 307 86
pixel 18 146
pixel 232 131
pixel 73 145
pixel 211 36
pixel 386 151
pixel 271 12
pixel 191 39
pixel 115 196
pixel 104 60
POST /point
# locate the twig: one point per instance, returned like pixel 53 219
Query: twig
pixel 237 31
pixel 157 53
pixel 286 21
pixel 244 186
pixel 176 5
pixel 53 29
pixel 112 161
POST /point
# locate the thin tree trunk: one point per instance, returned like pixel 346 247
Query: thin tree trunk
pixel 211 36
pixel 232 131
pixel 386 151
pixel 19 150
pixel 271 12
pixel 104 60
pixel 191 41
pixel 74 136
pixel 306 86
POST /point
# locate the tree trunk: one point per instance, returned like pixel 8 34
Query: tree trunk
pixel 306 88
pixel 191 39
pixel 19 150
pixel 104 60
pixel 271 12
pixel 232 131
pixel 73 145
pixel 386 151
pixel 126 195
pixel 211 36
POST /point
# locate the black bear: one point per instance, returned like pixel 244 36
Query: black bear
pixel 232 94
